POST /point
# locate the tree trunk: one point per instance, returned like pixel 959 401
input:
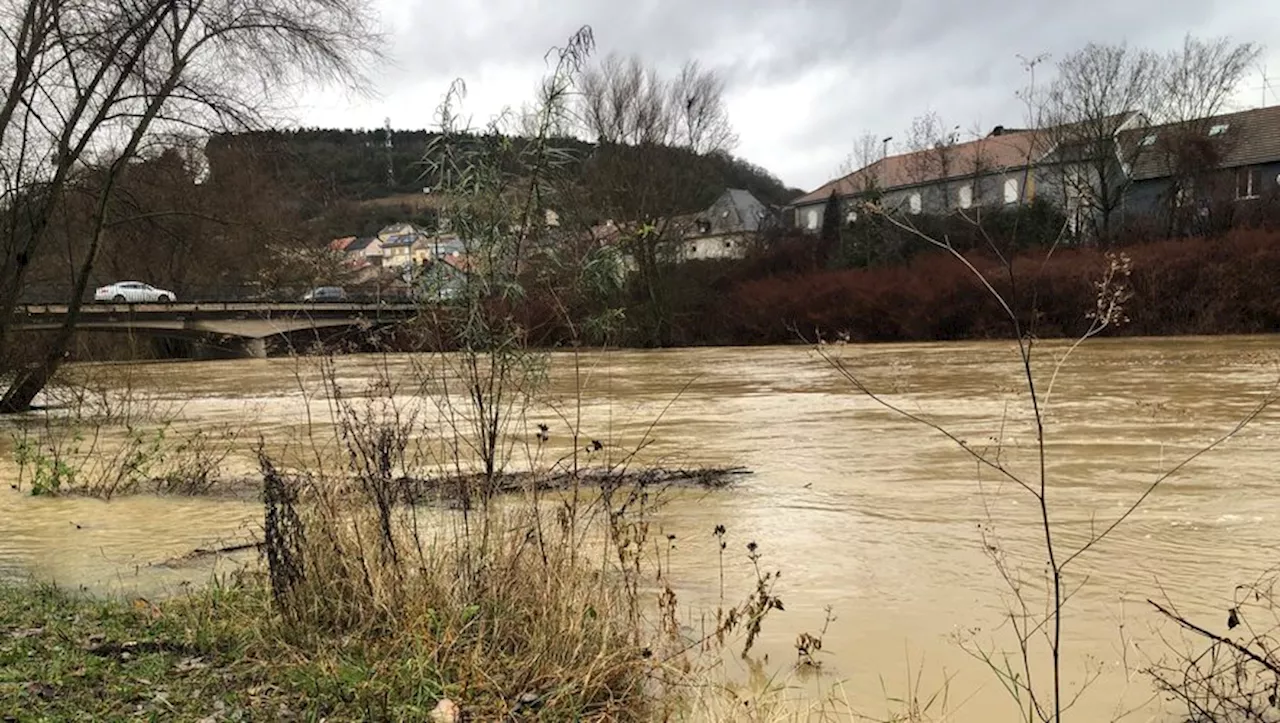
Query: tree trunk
pixel 29 383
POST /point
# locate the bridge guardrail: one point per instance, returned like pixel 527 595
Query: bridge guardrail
pixel 232 294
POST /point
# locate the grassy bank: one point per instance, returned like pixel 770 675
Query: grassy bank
pixel 225 654
pixel 217 655
pixel 222 654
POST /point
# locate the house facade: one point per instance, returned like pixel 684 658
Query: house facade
pixel 1116 172
pixel 403 244
pixel 726 228
pixel 723 230
pixel 363 251
pixel 1000 169
pixel 1206 174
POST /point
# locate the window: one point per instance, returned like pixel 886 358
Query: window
pixel 1248 182
pixel 1010 190
pixel 728 244
pixel 1218 129
pixel 811 218
pixel 1149 140
pixel 915 203
pixel 966 195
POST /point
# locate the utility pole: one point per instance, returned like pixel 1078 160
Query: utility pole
pixel 1266 84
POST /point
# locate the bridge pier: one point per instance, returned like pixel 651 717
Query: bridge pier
pixel 229 349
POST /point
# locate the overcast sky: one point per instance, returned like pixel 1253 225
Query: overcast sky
pixel 805 77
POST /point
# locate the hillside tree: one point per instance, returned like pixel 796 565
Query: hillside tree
pixel 644 174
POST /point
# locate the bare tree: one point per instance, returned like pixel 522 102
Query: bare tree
pixel 1196 84
pixel 868 148
pixel 628 103
pixel 90 83
pixel 1097 93
pixel 1197 81
pixel 932 148
pixel 1102 90
pixel 643 176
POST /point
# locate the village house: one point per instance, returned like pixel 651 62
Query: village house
pixel 1206 174
pixel 726 228
pixel 443 278
pixel 340 245
pixel 1207 171
pixel 363 251
pixel 403 244
pixel 991 171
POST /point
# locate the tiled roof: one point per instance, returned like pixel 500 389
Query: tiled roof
pixel 1250 137
pixel 992 154
pixel 359 244
pixel 1003 149
pixel 340 244
pixel 749 209
pixel 458 261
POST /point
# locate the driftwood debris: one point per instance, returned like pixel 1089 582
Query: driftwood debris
pixel 450 489
pixel 202 552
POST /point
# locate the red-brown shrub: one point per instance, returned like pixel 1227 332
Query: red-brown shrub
pixel 1194 286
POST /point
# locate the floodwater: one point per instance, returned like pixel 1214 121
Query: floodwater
pixel 872 517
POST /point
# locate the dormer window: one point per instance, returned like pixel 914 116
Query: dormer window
pixel 1218 129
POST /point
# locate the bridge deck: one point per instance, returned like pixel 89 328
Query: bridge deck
pixel 215 307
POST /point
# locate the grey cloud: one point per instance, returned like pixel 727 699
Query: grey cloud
pixel 895 58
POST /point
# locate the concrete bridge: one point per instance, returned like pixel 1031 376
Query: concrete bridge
pixel 232 328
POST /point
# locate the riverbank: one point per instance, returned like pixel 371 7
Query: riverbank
pixel 219 654
pixel 791 293
pixel 64 657
pixel 234 650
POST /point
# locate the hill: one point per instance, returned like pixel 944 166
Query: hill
pixel 332 166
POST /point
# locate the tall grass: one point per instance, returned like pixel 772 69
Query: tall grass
pixel 545 588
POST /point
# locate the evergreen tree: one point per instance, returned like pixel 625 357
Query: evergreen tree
pixel 831 219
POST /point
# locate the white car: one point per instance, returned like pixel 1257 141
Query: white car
pixel 132 292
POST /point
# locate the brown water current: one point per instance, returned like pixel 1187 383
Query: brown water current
pixel 865 512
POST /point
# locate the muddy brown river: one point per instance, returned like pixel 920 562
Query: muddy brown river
pixel 881 520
